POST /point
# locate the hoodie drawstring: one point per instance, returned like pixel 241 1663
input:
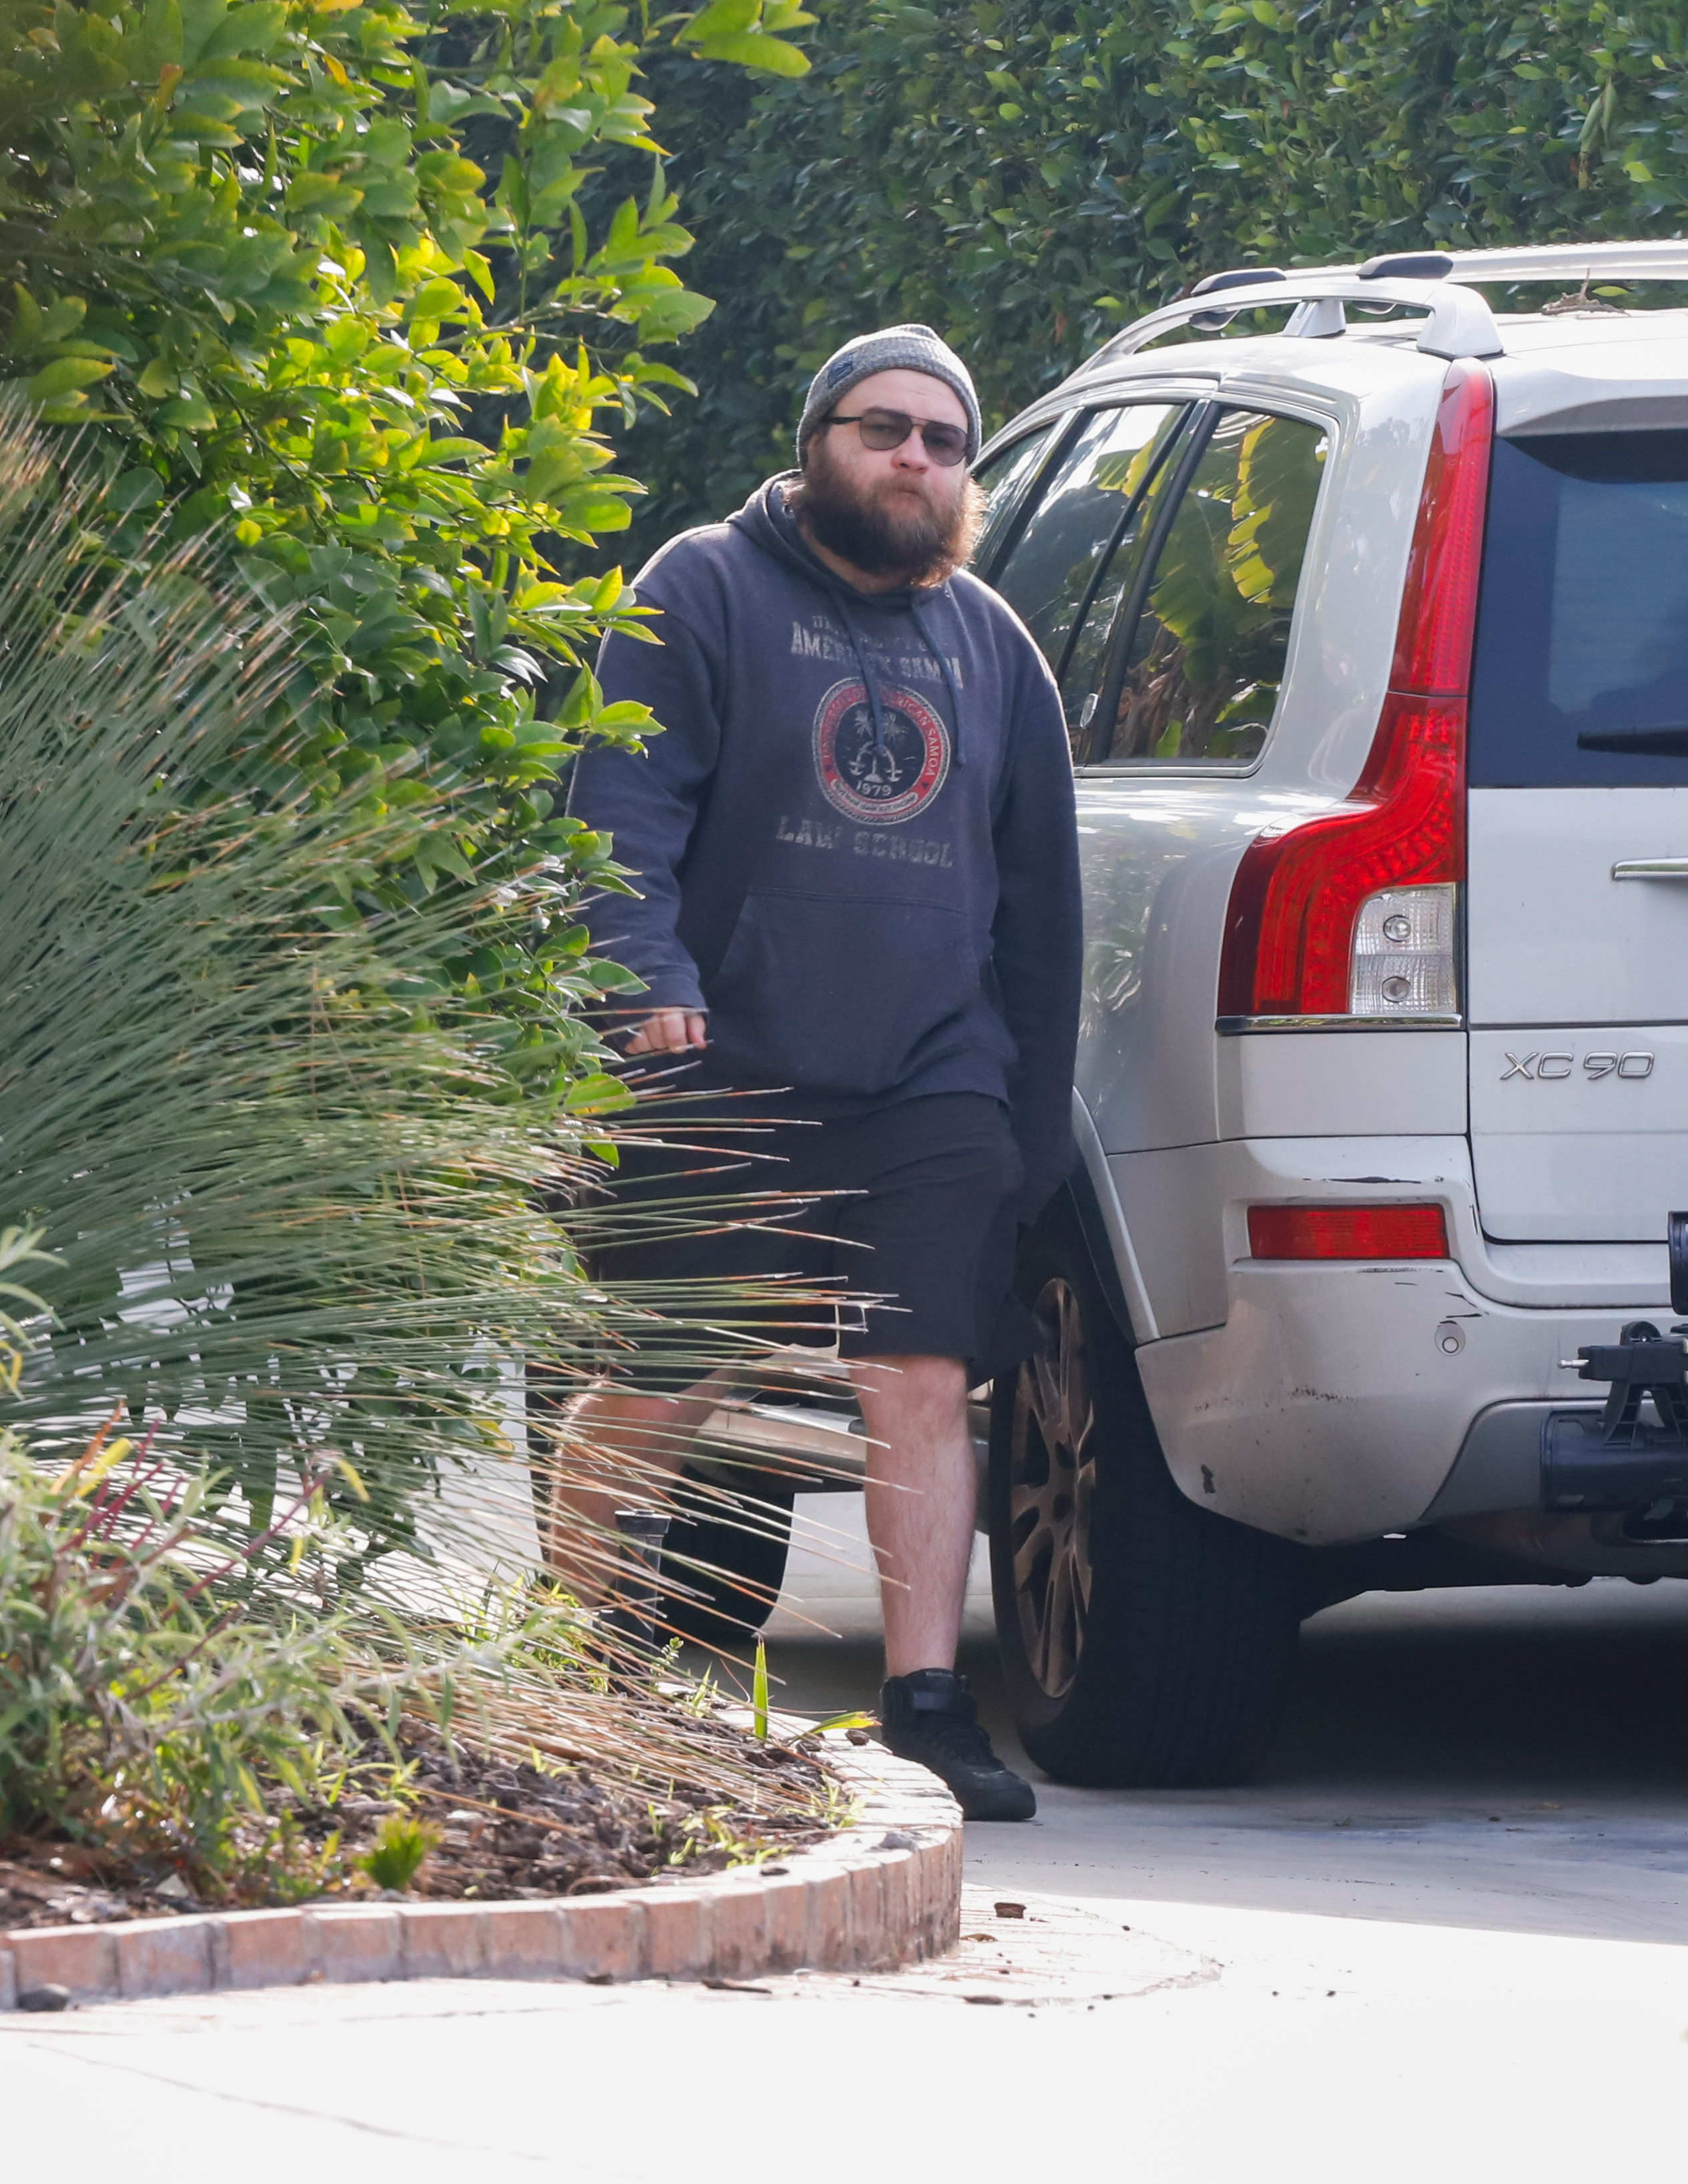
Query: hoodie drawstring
pixel 874 707
pixel 944 669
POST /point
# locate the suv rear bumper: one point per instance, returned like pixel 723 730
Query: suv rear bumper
pixel 1184 1210
pixel 1341 1401
pixel 1330 1401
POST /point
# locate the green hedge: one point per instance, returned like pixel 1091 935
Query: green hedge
pixel 1026 176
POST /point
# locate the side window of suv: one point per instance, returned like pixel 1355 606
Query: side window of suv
pixel 1006 481
pixel 1197 679
pixel 1071 538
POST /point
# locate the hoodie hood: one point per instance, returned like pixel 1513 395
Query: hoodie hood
pixel 767 522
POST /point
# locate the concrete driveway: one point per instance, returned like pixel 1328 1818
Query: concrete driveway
pixel 1442 1935
pixel 1514 1758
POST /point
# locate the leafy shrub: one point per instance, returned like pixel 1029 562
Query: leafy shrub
pixel 317 277
pixel 139 1708
pixel 172 1706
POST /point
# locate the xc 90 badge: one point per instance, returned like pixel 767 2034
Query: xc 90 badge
pixel 1551 1069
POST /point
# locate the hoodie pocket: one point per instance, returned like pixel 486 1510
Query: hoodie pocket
pixel 837 993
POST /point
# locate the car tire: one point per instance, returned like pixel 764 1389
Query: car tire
pixel 1145 1643
pixel 730 1599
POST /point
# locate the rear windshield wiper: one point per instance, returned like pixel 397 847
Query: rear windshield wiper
pixel 1639 743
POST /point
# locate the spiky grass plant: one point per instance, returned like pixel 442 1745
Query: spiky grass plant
pixel 283 1236
pixel 289 1214
pixel 294 1211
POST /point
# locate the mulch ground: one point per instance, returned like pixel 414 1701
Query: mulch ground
pixel 504 1832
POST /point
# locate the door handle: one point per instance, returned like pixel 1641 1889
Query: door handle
pixel 1651 868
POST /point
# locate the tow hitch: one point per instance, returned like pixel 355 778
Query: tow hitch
pixel 1621 1460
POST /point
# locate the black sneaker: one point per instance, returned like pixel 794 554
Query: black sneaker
pixel 930 1717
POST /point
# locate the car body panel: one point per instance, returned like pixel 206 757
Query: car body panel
pixel 1159 845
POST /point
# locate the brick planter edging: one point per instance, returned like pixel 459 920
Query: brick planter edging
pixel 885 1891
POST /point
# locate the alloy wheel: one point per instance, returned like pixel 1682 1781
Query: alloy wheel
pixel 1052 1489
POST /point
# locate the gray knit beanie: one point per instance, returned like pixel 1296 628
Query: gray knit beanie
pixel 893 348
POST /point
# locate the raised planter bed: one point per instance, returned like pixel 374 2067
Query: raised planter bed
pixel 883 1891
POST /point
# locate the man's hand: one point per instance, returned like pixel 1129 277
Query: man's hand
pixel 670 1031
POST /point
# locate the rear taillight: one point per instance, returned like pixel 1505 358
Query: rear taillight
pixel 1347 1232
pixel 1353 916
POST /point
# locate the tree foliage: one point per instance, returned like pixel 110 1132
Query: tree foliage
pixel 1027 174
pixel 318 278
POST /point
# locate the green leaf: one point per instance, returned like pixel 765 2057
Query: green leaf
pixel 189 412
pixel 136 488
pixel 596 1095
pixel 611 979
pixel 249 30
pixel 67 374
pixel 723 18
pixel 435 299
pixel 28 327
pixel 752 50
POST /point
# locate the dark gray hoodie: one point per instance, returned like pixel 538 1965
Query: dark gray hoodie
pixel 855 837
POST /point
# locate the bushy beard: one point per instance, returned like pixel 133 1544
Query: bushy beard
pixel 887 529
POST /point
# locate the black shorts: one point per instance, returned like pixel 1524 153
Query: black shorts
pixel 910 1209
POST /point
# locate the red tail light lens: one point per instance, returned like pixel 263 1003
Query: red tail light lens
pixel 1438 606
pixel 1290 931
pixel 1347 1232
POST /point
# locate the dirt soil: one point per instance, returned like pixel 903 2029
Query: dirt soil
pixel 503 1832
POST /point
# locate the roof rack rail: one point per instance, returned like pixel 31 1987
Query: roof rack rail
pixel 1549 261
pixel 1245 277
pixel 1409 266
pixel 1458 321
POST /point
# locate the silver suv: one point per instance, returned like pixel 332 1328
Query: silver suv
pixel 1372 637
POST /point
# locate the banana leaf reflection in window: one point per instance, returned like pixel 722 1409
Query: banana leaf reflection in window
pixel 1207 656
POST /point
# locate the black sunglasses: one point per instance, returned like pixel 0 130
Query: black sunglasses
pixel 882 429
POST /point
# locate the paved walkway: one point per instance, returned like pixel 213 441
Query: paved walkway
pixel 1444 1936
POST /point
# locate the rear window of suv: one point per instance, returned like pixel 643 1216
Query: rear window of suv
pixel 1580 677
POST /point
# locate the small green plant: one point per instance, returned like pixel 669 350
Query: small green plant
pixel 702 1698
pixel 402 1842
pixel 759 1693
pixel 149 1702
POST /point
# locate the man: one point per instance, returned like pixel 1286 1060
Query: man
pixel 859 906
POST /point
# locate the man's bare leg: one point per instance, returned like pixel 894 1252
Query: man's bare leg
pixel 652 1435
pixel 921 1498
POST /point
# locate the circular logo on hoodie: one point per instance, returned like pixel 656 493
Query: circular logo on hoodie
pixel 879 780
